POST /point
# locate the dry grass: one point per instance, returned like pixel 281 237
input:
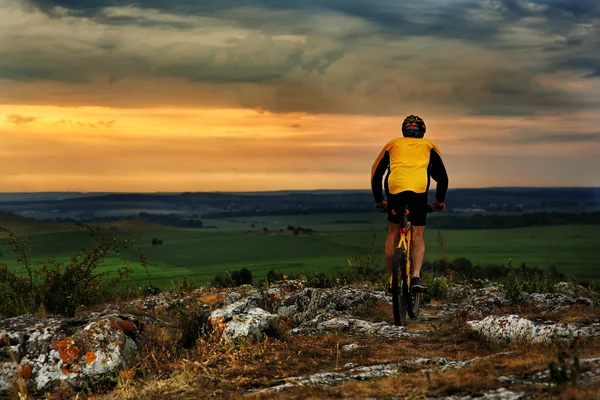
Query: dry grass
pixel 214 368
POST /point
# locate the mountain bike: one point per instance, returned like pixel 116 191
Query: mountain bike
pixel 404 300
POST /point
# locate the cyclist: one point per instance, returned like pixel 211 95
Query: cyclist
pixel 410 162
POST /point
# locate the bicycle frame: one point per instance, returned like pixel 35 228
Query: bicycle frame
pixel 404 243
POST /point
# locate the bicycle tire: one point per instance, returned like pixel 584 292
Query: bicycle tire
pixel 414 304
pixel 398 289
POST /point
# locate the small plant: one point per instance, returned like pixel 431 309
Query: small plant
pixel 322 280
pixel 566 369
pixel 439 287
pixel 594 293
pixel 367 268
pixel 513 285
pixel 222 281
pixel 59 288
pixel 274 276
pixel 150 288
pixel 442 244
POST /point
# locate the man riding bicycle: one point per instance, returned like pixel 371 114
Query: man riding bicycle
pixel 411 162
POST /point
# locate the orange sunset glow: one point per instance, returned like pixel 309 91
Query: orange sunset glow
pixel 117 96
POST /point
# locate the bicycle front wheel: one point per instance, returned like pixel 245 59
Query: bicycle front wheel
pixel 399 289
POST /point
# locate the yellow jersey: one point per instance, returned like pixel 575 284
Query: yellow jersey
pixel 411 163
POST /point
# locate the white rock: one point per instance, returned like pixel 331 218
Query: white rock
pixel 499 394
pixel 241 320
pixel 351 347
pixel 327 323
pixel 512 328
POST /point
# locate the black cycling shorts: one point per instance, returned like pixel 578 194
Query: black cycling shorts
pixel 416 203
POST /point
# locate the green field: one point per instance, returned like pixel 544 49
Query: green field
pixel 203 253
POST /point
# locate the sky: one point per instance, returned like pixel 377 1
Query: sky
pixel 252 95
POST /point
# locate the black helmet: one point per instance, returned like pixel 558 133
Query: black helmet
pixel 413 126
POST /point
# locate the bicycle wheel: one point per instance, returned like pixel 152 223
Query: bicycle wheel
pixel 398 289
pixel 414 304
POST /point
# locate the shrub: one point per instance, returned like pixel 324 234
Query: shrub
pixel 236 278
pixel 367 268
pixel 59 288
pixel 222 281
pixel 245 276
pixel 439 287
pixel 274 276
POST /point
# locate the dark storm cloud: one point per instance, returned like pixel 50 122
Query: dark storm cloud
pixel 316 75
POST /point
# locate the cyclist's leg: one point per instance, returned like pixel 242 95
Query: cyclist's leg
pixel 417 249
pixel 393 236
pixel 418 219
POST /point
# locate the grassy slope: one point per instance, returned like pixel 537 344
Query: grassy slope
pixel 200 254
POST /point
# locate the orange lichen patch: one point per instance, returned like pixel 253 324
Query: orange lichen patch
pixel 25 371
pixel 90 357
pixel 68 370
pixel 123 325
pixel 128 326
pixel 218 324
pixel 67 350
pixel 212 298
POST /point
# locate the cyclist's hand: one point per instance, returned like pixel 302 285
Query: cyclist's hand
pixel 437 206
pixel 382 206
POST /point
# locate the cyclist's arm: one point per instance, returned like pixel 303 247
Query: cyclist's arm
pixel 439 174
pixel 377 171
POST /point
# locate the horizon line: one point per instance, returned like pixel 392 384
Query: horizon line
pixel 291 190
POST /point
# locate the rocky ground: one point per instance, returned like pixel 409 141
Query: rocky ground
pixel 292 341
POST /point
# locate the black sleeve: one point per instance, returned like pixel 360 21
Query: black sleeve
pixel 377 177
pixel 438 173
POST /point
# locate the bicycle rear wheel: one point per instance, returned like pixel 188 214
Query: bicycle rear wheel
pixel 399 289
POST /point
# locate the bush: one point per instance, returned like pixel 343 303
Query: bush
pixel 245 276
pixel 236 278
pixel 58 288
pixel 274 276
pixel 367 268
pixel 222 281
pixel 439 287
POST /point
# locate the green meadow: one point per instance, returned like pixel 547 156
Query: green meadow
pixel 200 254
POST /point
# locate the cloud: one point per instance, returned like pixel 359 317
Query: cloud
pixel 19 119
pixel 374 57
pixel 82 124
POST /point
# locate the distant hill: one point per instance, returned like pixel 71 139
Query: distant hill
pixel 21 225
pixel 132 224
pixel 226 204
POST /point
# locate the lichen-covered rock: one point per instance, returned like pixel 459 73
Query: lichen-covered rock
pixel 161 301
pixel 504 330
pixel 242 320
pixel 50 352
pixel 328 323
pixel 485 301
pixel 351 347
pixel 232 297
pixel 498 394
pixel 592 374
pixel 309 303
pixel 556 301
pixel 355 372
pixel 571 289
